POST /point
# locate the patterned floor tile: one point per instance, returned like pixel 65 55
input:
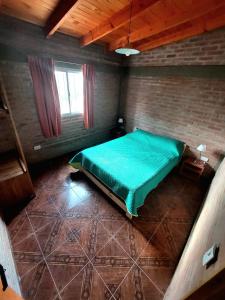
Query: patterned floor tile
pixel 80 203
pixel 107 209
pixel 160 276
pixel 21 230
pixel 39 222
pixel 179 232
pixel 27 245
pixel 42 204
pixel 67 260
pixel 159 245
pixel 112 257
pixel 14 225
pixel 38 284
pixel 137 285
pixel 134 236
pixel 84 232
pixel 26 263
pixel 86 285
pixel 89 249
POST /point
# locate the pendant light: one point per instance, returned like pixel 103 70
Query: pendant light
pixel 128 50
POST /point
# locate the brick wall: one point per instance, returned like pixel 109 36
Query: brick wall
pixel 188 102
pixel 18 39
pixel 208 48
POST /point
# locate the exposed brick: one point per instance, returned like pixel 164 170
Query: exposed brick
pixel 29 38
pixel 184 108
pixel 209 47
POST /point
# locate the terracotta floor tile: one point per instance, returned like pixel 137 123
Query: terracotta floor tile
pixel 89 244
pixel 160 276
pixel 27 245
pixel 159 244
pixel 42 205
pixel 107 209
pixel 179 232
pixel 49 236
pixel 112 263
pixel 39 222
pixel 63 273
pixel 38 284
pixel 15 224
pixel 86 285
pixel 137 285
pixel 85 232
pixel 76 204
pixel 27 263
pixel 134 236
pixel 21 230
pixel 68 259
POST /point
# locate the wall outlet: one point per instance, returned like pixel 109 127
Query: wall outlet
pixel 204 158
pixel 210 256
pixel 37 147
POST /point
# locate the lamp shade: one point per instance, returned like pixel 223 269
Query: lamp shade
pixel 201 148
pixel 127 51
pixel 120 121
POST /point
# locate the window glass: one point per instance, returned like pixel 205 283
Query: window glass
pixel 70 90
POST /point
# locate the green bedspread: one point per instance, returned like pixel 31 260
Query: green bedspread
pixel 132 165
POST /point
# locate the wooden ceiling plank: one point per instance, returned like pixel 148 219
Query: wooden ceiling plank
pixel 58 16
pixel 118 20
pixel 197 9
pixel 198 26
pixel 173 36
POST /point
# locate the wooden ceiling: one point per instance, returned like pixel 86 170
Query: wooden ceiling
pixel 154 22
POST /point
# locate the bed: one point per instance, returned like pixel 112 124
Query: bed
pixel 128 168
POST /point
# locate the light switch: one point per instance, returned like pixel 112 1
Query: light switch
pixel 37 147
pixel 210 256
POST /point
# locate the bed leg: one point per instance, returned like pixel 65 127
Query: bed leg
pixel 129 215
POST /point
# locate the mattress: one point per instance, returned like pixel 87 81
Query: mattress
pixel 131 166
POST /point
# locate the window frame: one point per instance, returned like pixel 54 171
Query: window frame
pixel 63 67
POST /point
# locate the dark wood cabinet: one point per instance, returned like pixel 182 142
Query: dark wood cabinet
pixel 15 181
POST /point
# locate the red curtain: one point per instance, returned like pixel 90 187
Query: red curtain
pixel 88 89
pixel 46 95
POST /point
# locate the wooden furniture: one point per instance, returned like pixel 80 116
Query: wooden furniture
pixel 15 181
pixel 107 191
pixel 118 132
pixel 12 292
pixel 191 280
pixel 192 168
pixel 111 183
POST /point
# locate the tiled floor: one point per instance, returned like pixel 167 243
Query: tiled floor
pixel 71 242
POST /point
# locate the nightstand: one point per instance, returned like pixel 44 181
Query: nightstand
pixel 118 132
pixel 192 168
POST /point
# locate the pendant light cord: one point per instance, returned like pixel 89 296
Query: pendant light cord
pixel 129 30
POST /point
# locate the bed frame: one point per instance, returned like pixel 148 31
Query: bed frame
pixel 108 192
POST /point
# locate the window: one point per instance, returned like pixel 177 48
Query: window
pixel 70 89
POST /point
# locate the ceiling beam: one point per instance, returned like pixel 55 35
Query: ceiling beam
pixel 58 16
pixel 181 32
pixel 180 15
pixel 198 26
pixel 118 20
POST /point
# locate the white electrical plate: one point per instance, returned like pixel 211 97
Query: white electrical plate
pixel 37 147
pixel 209 255
pixel 204 158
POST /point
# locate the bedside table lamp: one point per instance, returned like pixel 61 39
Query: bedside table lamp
pixel 201 148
